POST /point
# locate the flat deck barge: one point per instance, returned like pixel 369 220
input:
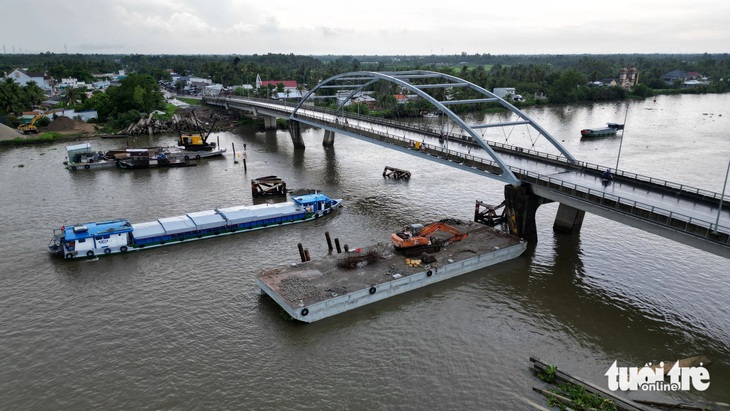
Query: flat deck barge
pixel 319 289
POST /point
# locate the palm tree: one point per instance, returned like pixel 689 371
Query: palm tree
pixel 72 96
pixel 10 97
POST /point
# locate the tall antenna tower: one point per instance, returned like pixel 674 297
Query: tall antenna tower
pixel 65 50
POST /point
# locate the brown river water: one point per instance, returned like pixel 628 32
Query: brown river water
pixel 184 327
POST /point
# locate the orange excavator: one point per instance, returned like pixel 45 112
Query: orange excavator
pixel 416 238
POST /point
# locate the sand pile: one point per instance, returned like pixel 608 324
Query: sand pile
pixel 8 133
pixel 62 123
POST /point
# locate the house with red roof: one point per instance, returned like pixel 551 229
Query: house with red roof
pixel 290 88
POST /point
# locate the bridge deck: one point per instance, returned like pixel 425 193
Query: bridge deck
pixel 698 207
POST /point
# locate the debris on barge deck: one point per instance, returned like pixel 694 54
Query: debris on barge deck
pixel 322 288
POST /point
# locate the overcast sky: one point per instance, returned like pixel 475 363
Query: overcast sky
pixel 369 27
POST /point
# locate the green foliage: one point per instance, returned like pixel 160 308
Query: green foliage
pixel 123 120
pixel 12 120
pixel 549 374
pixel 642 90
pixel 581 400
pixel 191 101
pixel 136 92
pixel 245 121
pixel 101 102
pixel 11 97
pixel 357 108
pixel 43 122
pixel 568 87
pixel 563 78
pixel 170 109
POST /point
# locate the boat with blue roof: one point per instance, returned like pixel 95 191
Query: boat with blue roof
pixel 120 235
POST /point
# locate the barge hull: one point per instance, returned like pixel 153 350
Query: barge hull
pixel 317 283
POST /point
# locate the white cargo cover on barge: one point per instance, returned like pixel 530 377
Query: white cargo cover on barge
pixel 119 236
pixel 315 290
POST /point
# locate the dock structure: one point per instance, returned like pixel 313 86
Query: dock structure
pixel 321 288
pixel 396 173
pixel 268 186
pixel 487 214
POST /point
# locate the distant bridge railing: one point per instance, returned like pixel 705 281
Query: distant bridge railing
pixel 705 195
pixel 661 216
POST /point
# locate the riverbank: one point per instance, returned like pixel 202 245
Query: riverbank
pixel 44 138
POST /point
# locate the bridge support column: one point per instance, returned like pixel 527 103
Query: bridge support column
pixel 569 219
pixel 295 130
pixel 269 122
pixel 521 204
pixel 329 138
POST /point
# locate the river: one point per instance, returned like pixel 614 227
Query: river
pixel 184 327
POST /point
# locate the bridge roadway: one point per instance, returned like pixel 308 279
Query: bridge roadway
pixel 675 211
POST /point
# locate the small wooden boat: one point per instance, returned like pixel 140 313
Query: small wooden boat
pixel 598 132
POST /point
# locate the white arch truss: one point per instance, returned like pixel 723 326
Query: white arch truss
pixel 357 81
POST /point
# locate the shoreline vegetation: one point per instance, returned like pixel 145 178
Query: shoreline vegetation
pixel 538 80
pixel 229 123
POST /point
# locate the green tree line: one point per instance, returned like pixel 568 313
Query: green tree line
pixel 562 78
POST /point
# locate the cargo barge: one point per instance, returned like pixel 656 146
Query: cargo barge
pixel 82 157
pixel 120 236
pixel 314 290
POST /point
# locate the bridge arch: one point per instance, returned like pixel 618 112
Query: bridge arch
pixel 418 80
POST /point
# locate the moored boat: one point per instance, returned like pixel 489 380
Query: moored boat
pixel 81 157
pixel 144 158
pixel 120 236
pixel 598 132
pixel 197 142
pixel 212 151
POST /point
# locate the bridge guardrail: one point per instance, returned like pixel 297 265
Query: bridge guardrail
pixel 553 157
pixel 662 216
pixel 648 212
pixel 658 215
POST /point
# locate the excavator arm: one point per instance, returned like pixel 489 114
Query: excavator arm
pixel 427 237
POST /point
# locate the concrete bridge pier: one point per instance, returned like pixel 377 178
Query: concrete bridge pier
pixel 295 130
pixel 569 219
pixel 329 138
pixel 521 204
pixel 269 122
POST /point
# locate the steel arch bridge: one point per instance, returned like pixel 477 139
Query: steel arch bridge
pixel 419 80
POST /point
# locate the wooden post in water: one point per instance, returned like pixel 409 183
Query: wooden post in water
pixel 337 244
pixel 244 157
pixel 301 252
pixel 329 241
pixel 233 146
pixel 306 253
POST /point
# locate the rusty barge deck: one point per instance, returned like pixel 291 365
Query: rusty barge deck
pixel 319 289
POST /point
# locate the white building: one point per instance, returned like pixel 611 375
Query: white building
pixel 24 77
pixel 507 93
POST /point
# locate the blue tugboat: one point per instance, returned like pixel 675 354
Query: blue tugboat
pixel 120 236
